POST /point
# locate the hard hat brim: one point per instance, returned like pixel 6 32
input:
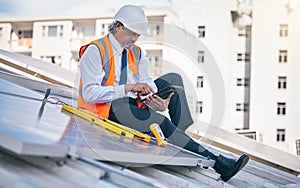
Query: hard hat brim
pixel 138 31
pixel 135 27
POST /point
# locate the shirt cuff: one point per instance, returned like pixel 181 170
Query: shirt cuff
pixel 120 91
pixel 164 113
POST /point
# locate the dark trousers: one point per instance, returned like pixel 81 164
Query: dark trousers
pixel 125 111
pixel 178 108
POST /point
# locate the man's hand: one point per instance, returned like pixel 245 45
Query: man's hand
pixel 158 103
pixel 140 88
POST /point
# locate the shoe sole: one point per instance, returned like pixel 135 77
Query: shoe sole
pixel 244 160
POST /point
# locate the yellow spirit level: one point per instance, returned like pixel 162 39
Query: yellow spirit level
pixel 160 138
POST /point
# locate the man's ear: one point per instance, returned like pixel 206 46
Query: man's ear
pixel 119 25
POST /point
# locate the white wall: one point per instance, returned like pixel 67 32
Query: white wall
pixel 266 43
pixel 100 30
pixel 52 46
pixel 5 36
pixel 215 16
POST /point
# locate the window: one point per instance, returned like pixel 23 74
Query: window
pixel 250 134
pixel 282 56
pixel 61 31
pixel 238 107
pixel 200 56
pixel 242 107
pixel 199 107
pixel 283 30
pixel 155 62
pixel 239 82
pixel 200 81
pixel 25 34
pixel 282 82
pixel 243 57
pixel 239 57
pixel 280 137
pixel 298 146
pixel 43 31
pixel 52 31
pixel 242 32
pixel 104 28
pixel 201 31
pixel 28 34
pixel 155 29
pixel 281 108
pixel 1 31
pixel 243 82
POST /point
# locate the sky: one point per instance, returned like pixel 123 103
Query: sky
pixel 31 8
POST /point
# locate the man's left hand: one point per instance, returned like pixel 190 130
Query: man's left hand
pixel 157 103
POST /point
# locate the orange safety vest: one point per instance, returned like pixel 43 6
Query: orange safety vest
pixel 108 65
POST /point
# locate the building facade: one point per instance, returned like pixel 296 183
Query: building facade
pixel 275 84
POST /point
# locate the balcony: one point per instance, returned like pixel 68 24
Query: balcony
pixel 76 43
pixel 21 45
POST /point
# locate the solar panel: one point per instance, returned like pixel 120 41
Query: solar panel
pixel 28 128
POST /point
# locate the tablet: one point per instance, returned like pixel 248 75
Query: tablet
pixel 165 92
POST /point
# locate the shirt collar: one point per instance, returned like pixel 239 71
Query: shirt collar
pixel 117 48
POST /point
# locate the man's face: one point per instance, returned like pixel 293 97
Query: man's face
pixel 126 37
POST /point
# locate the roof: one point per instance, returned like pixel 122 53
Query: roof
pixel 46 71
pixel 256 150
pixel 41 146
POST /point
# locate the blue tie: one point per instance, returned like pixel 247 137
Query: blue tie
pixel 123 77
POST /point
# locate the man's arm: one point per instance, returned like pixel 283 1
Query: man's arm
pixel 155 101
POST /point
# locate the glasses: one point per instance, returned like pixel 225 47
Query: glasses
pixel 131 33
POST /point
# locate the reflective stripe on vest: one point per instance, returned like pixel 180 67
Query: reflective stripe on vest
pixel 108 65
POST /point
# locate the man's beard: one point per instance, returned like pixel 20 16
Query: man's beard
pixel 129 44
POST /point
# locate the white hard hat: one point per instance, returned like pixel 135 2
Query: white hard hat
pixel 133 18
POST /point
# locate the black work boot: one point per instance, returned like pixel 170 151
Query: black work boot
pixel 229 167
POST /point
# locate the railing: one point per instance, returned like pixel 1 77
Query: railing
pixel 82 40
pixel 21 44
pixel 76 43
pixel 25 42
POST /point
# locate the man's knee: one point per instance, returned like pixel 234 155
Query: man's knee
pixel 173 78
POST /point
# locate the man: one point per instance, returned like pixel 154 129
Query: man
pixel 114 75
